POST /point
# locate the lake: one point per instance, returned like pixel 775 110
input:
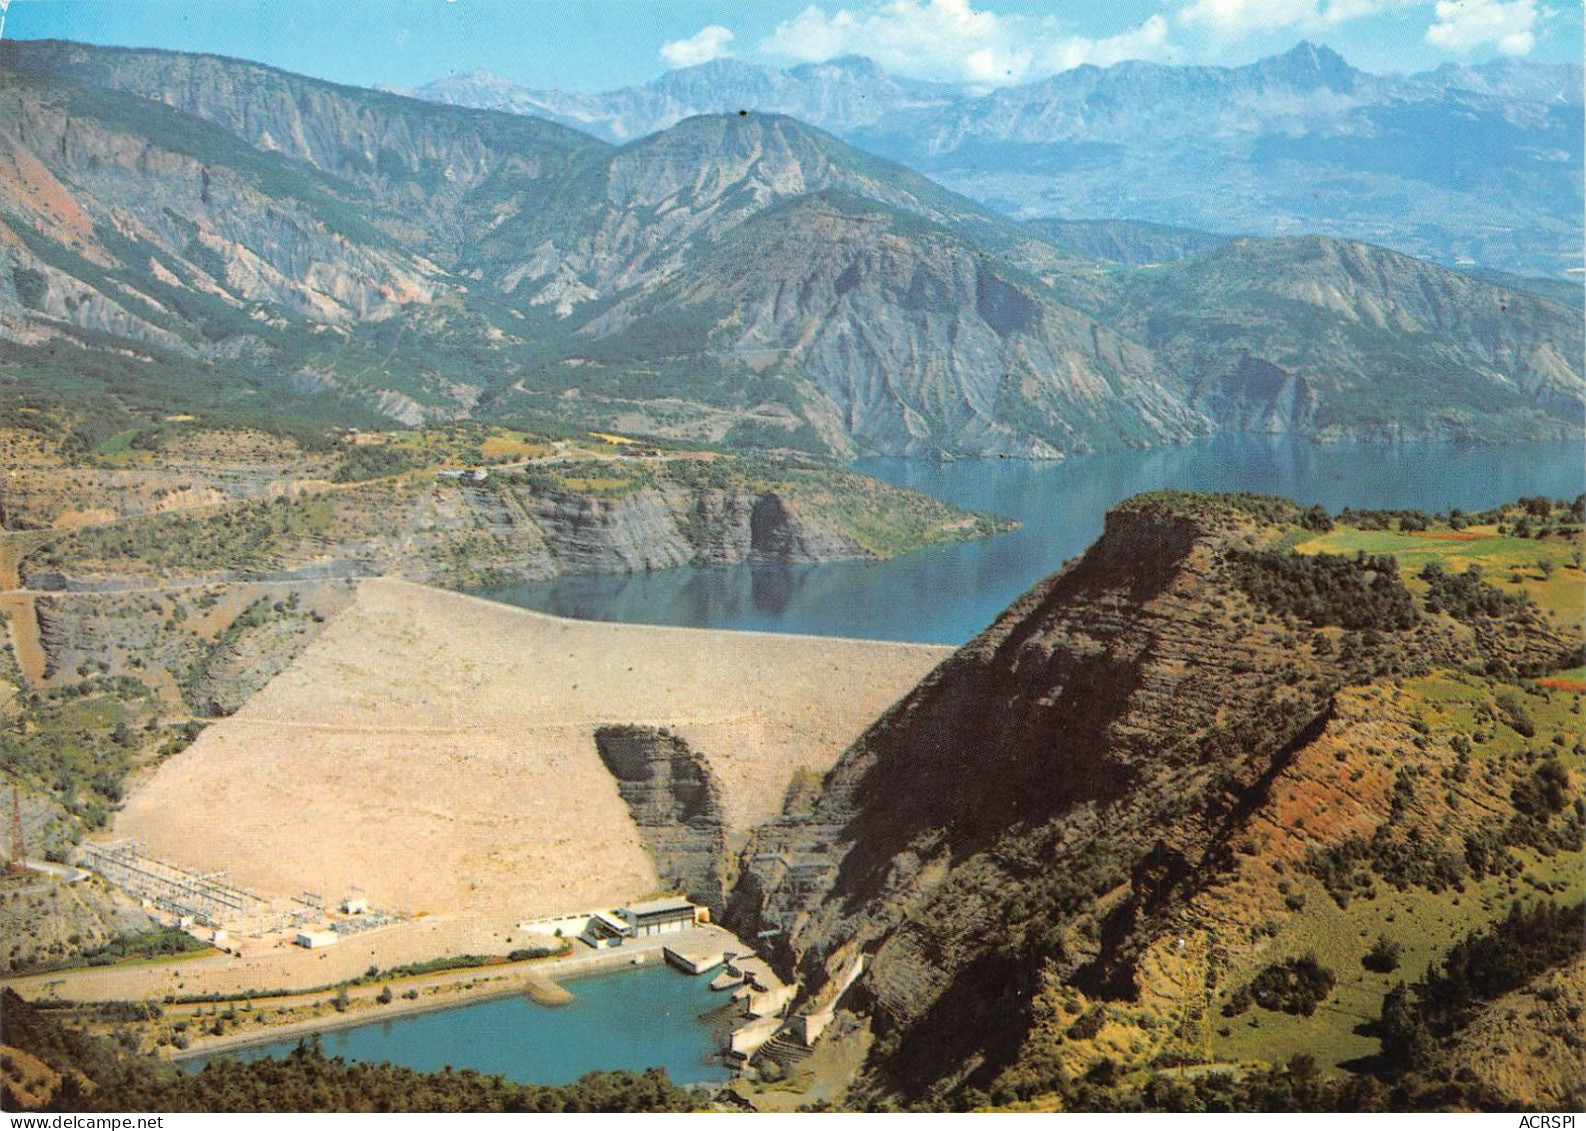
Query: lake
pixel 947 594
pixel 630 1018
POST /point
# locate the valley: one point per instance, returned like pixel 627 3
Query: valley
pixel 1363 795
pixel 744 280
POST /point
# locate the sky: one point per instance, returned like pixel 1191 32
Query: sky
pixel 603 44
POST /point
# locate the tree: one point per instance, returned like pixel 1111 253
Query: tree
pixel 1383 957
pixel 1296 985
pixel 1406 1045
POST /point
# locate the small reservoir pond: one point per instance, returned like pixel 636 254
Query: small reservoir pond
pixel 947 594
pixel 631 1018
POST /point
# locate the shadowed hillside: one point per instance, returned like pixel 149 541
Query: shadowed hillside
pixel 192 232
pixel 1189 758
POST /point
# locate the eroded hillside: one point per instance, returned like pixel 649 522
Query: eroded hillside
pixel 1192 757
pixel 187 234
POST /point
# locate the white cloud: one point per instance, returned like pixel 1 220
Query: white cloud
pixel 704 45
pixel 1233 18
pixel 1147 41
pixel 953 40
pixel 1464 25
pixel 1238 17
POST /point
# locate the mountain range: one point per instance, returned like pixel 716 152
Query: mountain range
pixel 215 233
pixel 840 94
pixel 1462 162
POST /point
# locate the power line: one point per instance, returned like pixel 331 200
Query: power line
pixel 19 852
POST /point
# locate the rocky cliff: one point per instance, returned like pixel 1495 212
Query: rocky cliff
pixel 199 231
pixel 530 531
pixel 514 526
pixel 676 802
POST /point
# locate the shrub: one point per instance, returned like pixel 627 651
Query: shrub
pixel 1383 957
pixel 1545 792
pixel 1363 592
pixel 1295 985
pixel 1238 1001
pixel 1088 1026
pixel 1466 596
pixel 1515 714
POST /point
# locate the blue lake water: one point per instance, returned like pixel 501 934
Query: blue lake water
pixel 631 1018
pixel 947 594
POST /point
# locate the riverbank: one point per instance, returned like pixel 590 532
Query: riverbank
pixel 365 1009
pixel 540 979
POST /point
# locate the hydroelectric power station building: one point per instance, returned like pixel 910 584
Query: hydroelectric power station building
pixel 660 916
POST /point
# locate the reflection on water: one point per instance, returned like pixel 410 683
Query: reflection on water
pixel 946 595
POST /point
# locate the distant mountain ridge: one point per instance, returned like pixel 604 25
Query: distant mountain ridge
pixel 211 232
pixel 851 91
pixel 1296 143
pixel 839 94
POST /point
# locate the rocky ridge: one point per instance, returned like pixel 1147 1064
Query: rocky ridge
pixel 676 803
pixel 1023 837
pixel 207 232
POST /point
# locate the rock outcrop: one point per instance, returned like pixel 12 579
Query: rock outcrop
pixel 511 528
pixel 1049 805
pixel 676 803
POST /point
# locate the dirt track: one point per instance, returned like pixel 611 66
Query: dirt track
pixel 437 751
pixel 23 617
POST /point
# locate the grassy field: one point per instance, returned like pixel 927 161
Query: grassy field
pixel 117 444
pixel 1423 923
pixel 469 442
pixel 1548 570
pixel 506 444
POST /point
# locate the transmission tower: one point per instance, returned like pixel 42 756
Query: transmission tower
pixel 19 852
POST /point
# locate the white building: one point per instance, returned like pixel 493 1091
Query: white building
pixel 660 916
